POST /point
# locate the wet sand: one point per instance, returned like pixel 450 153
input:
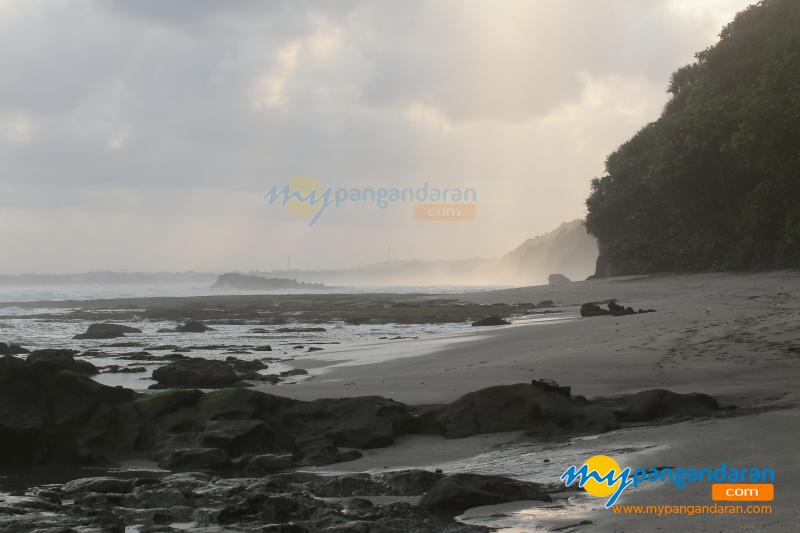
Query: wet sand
pixel 735 337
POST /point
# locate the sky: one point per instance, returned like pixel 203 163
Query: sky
pixel 143 135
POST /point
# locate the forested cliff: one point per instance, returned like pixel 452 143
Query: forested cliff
pixel 714 183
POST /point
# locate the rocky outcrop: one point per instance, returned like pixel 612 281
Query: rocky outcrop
pixel 491 321
pixel 51 361
pixel 659 403
pixel 196 372
pixel 287 503
pixel 613 309
pixel 558 280
pixel 458 492
pixel 12 349
pixel 106 331
pixel 237 281
pixel 541 409
pixel 50 413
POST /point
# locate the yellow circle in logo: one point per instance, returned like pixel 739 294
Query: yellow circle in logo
pixel 602 464
pixel 304 185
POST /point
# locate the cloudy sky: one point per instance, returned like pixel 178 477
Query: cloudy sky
pixel 143 134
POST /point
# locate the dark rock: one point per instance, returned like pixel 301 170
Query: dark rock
pixel 196 459
pixel 491 321
pixel 262 378
pixel 100 485
pixel 235 436
pixel 138 356
pixel 409 482
pixel 551 385
pixel 240 365
pixel 268 463
pixel 50 361
pixel 165 403
pixel 457 492
pixel 106 331
pixel 360 422
pixel 660 403
pixel 294 372
pixel 12 349
pixel 192 326
pixel 49 414
pixel 321 452
pixel 541 409
pixel 301 330
pixel 348 455
pixel 558 280
pixel 196 373
pixel 263 348
pixel 545 303
pixel 233 280
pixel 614 309
pixel 116 369
pixel 314 349
pixel 592 309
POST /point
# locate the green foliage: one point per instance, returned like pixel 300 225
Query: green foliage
pixel 715 182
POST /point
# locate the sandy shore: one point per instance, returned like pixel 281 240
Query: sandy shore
pixel 735 337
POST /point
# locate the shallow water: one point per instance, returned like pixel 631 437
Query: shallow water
pixel 340 344
pixel 47 293
pixel 545 463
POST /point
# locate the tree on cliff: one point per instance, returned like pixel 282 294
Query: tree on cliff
pixel 714 183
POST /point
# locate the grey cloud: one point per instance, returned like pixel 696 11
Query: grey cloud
pixel 143 96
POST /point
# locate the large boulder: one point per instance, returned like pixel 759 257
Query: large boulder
pixel 196 459
pixel 23 408
pixel 12 349
pixel 654 404
pixel 98 485
pixel 409 482
pixel 235 436
pixel 614 309
pixel 491 321
pixel 56 415
pixel 458 492
pixel 106 331
pixel 51 361
pixel 540 408
pixel 268 463
pixel 196 372
pixel 360 422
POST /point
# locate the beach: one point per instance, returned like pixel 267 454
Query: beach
pixel 733 337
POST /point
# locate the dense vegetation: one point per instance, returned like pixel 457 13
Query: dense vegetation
pixel 714 183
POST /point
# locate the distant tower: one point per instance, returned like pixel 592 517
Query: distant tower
pixel 288 263
pixel 389 254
